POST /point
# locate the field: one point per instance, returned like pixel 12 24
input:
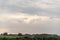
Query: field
pixel 25 38
pixel 10 36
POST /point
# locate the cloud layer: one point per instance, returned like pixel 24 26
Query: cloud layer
pixel 30 16
pixel 27 23
pixel 47 7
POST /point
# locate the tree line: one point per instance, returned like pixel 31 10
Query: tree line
pixel 6 34
pixel 20 36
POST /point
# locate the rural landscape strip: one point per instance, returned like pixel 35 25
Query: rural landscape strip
pixel 20 36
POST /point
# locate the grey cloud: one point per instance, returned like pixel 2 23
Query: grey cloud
pixel 33 28
pixel 29 6
pixel 37 7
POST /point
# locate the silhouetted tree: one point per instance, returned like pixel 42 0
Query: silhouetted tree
pixel 19 34
pixel 5 33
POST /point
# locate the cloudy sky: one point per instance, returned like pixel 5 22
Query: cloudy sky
pixel 30 16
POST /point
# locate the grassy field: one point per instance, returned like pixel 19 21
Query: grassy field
pixel 10 36
pixel 25 38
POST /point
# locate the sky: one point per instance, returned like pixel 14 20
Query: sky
pixel 30 16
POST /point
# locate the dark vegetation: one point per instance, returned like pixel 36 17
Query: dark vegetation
pixel 20 36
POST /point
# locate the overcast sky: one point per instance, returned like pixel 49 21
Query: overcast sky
pixel 30 16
